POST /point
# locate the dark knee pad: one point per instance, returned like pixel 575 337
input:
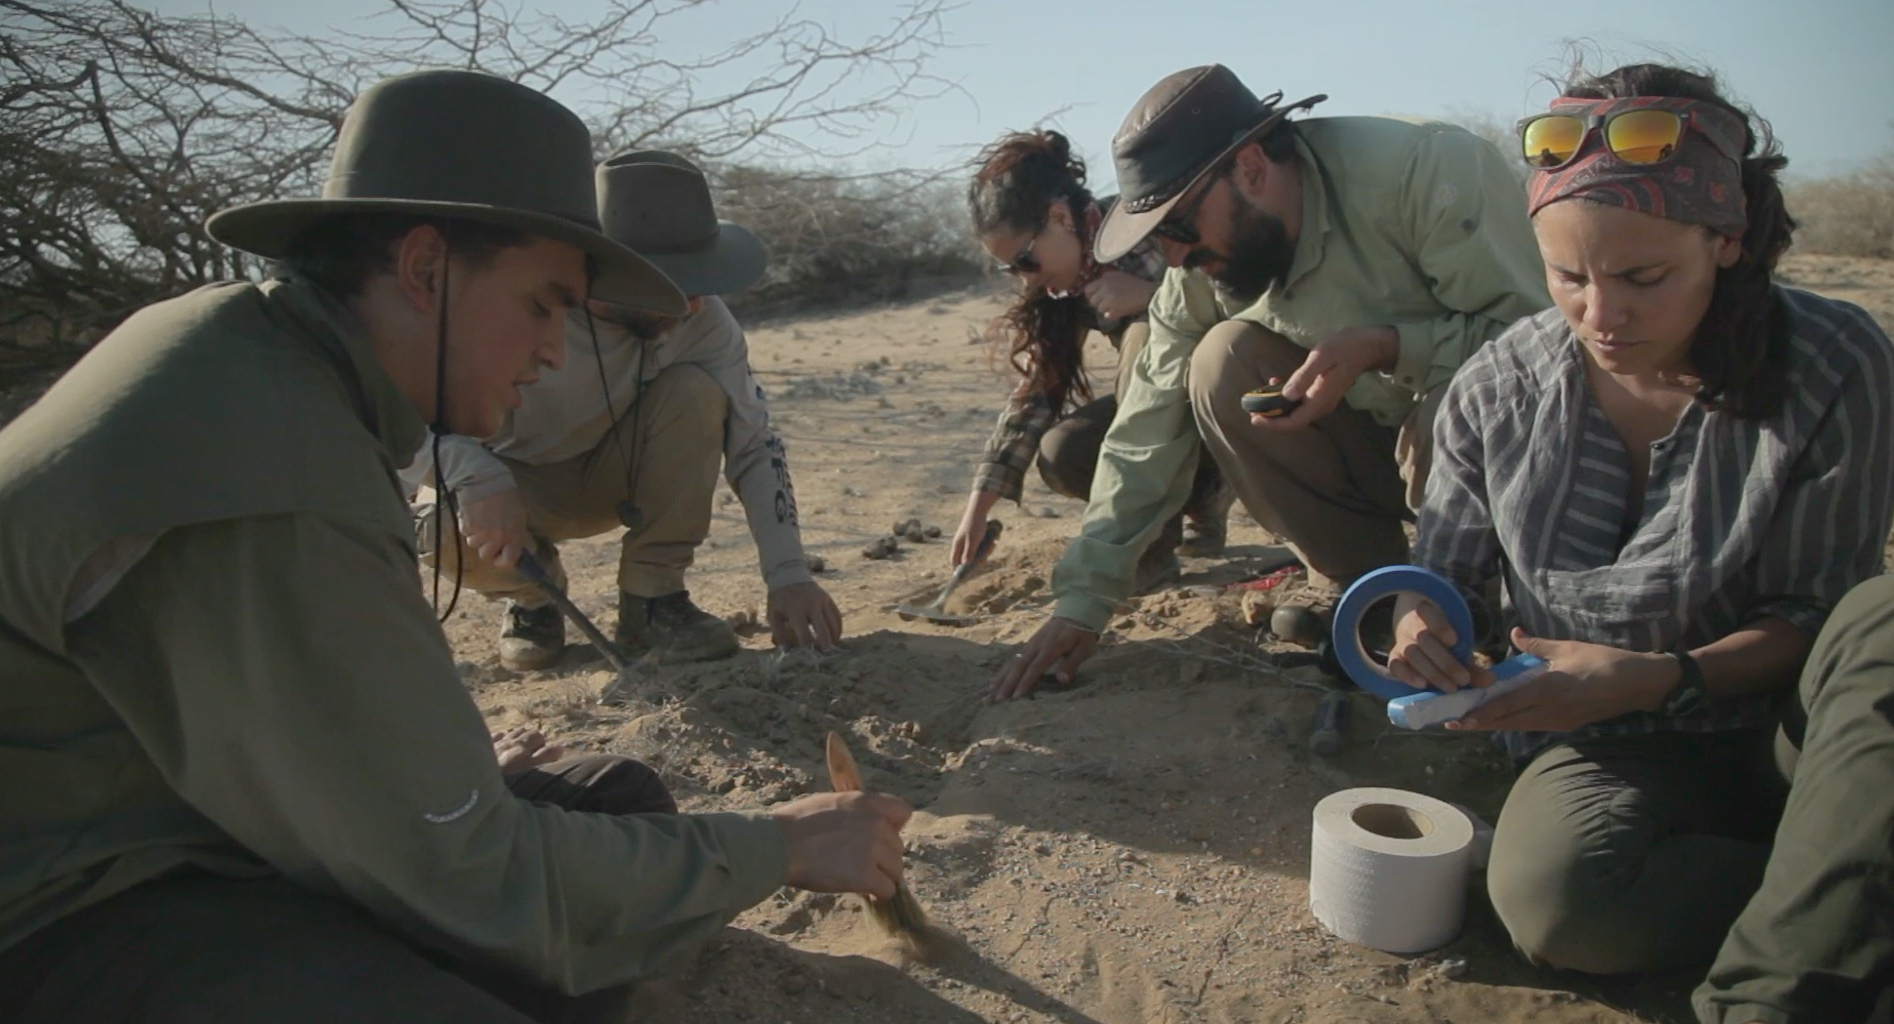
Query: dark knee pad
pixel 597 784
pixel 632 787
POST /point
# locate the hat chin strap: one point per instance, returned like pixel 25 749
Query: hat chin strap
pixel 448 506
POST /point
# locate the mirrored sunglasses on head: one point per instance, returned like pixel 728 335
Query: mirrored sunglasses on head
pixel 1641 135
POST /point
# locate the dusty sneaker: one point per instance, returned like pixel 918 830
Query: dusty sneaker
pixel 673 627
pixel 532 638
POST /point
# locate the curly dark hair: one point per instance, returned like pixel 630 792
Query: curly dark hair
pixel 1741 348
pixel 1017 180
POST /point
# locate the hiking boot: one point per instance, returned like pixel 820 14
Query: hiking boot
pixel 1207 524
pixel 1158 565
pixel 1155 569
pixel 673 627
pixel 533 638
pixel 1203 538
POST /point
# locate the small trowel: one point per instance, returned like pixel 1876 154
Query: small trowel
pixel 937 612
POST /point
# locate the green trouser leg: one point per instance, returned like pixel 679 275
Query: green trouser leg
pixel 1626 854
pixel 191 948
pixel 1817 941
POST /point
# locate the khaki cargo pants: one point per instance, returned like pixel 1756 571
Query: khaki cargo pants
pixel 1338 492
pixel 676 449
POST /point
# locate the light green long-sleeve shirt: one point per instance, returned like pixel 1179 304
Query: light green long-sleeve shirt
pixel 213 652
pixel 1418 226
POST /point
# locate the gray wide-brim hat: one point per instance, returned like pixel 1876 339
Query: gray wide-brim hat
pixel 659 204
pixel 1182 127
pixel 462 145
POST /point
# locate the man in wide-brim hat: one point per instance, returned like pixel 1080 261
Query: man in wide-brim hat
pixel 1353 261
pixel 628 437
pixel 243 779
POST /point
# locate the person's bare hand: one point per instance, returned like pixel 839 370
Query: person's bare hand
pixel 1117 295
pixel 1328 371
pixel 844 842
pixel 804 615
pixel 523 747
pixel 1059 648
pixel 1422 655
pixel 495 527
pixel 1585 683
pixel 972 527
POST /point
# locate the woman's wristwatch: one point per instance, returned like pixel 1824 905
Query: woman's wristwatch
pixel 1688 696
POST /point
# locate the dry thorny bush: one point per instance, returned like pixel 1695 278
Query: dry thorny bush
pixel 122 129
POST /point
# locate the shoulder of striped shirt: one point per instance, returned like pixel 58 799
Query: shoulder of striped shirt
pixel 1834 338
pixel 1812 313
pixel 1532 349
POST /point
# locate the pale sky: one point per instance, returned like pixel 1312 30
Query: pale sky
pixel 1819 70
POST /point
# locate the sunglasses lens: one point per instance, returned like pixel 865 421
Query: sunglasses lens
pixel 1644 136
pixel 1551 140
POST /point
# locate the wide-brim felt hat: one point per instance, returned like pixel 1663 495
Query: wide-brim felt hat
pixel 659 204
pixel 468 146
pixel 1180 129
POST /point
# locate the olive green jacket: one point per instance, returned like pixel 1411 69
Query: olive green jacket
pixel 214 652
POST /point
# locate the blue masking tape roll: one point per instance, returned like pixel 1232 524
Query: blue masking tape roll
pixel 1345 632
pixel 1408 707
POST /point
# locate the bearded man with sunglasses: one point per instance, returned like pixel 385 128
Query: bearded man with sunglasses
pixel 1355 262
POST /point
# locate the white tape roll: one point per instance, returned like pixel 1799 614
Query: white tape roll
pixel 1388 868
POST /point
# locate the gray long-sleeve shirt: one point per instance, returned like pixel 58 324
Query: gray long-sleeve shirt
pixel 565 414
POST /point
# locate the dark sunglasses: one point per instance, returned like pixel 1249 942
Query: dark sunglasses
pixel 1180 225
pixel 1642 135
pixel 1025 263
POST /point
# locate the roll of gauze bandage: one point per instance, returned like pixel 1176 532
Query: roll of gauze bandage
pixel 1388 868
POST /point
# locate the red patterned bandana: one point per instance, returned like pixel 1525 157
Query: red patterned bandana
pixel 1700 183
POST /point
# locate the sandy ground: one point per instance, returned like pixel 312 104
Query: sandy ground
pixel 1132 849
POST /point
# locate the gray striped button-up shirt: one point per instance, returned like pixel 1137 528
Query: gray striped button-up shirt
pixel 1741 519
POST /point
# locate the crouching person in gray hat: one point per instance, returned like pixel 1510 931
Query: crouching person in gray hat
pixel 243 779
pixel 628 436
pixel 1353 261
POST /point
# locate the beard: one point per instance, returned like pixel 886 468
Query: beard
pixel 1260 255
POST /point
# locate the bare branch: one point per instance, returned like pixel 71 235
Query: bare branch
pixel 122 129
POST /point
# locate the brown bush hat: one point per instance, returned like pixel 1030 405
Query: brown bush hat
pixel 466 146
pixel 659 204
pixel 1180 128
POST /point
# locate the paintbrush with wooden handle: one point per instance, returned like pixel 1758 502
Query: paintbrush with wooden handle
pixel 899 914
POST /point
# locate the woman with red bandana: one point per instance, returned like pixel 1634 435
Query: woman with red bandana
pixel 1034 215
pixel 1677 472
